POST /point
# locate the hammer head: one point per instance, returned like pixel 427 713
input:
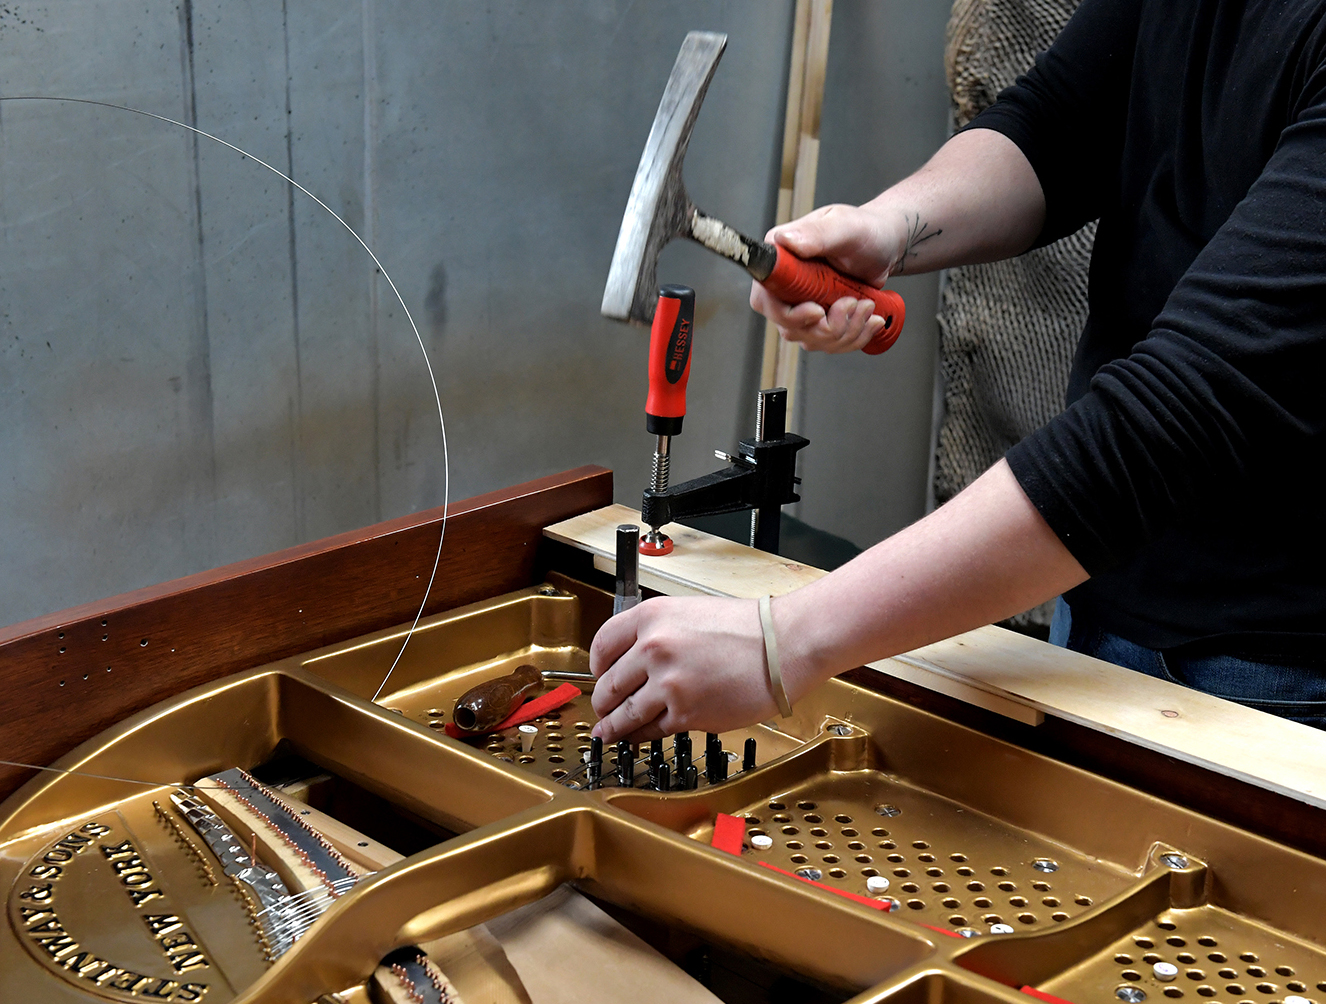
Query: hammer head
pixel 658 208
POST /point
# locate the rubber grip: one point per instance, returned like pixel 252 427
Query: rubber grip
pixel 794 280
pixel 670 358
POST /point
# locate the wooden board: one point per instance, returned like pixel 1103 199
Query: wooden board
pixel 72 674
pixel 1003 671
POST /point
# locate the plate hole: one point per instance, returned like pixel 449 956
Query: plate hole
pixel 1144 943
pixel 856 845
pixel 556 759
pixel 824 845
pixel 792 845
pixel 1129 974
pixel 1041 886
pixel 1175 941
pixel 901 872
pixel 976 886
pixel 1166 925
pixel 782 817
pixel 1186 958
pixel 920 845
pixel 559 773
pixel 1027 918
pixel 847 831
pixel 958 921
pixel 879 832
pixel 1082 900
pixel 1008 886
pixel 1205 991
pixel 1228 974
pixel 1217 957
pixel 915 904
pixel 777 806
pixel 934 872
pixel 813 818
pixel 1173 992
pixel 1248 956
pixel 888 845
pixel 526 758
pixel 1266 988
pixel 1257 971
pixel 837 873
pixel 998 870
pixel 957 857
pixel 940 887
pixel 869 872
pixel 843 818
pixel 897 858
pixel 1284 970
pixel 806 806
pixel 1207 941
pixel 831 859
pixel 952 904
pixel 1151 958
pixel 1049 901
pixel 981 903
pixel 911 887
pixel 1058 918
pixel 798 859
pixel 1017 901
pixel 1236 989
pixel 927 858
pixel 1296 986
pixel 965 871
pixel 1195 974
pixel 863 859
pixel 819 831
pixel 993 918
pixel 1124 960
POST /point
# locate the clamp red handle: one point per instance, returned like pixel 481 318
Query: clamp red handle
pixel 794 280
pixel 669 359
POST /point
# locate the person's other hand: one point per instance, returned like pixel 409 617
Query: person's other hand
pixel 856 241
pixel 676 664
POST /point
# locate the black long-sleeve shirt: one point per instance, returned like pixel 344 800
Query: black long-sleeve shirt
pixel 1182 475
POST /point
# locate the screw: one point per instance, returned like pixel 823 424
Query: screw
pixel 761 842
pixel 1045 865
pixel 877 884
pixel 1165 971
pixel 1175 861
pixel 814 874
pixel 841 730
pixel 1131 995
pixel 888 810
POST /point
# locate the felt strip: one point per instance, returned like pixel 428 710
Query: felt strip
pixel 874 904
pixel 1043 996
pixel 729 832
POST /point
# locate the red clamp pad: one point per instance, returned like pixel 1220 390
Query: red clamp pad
pixel 874 904
pixel 1043 996
pixel 655 550
pixel 550 701
pixel 729 832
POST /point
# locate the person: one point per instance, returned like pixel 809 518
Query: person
pixel 1170 504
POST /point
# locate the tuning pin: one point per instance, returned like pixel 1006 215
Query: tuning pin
pixel 748 759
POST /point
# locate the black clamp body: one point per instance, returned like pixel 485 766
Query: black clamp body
pixel 761 477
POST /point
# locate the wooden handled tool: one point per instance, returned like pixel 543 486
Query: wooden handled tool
pixel 659 209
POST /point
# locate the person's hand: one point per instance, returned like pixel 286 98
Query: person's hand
pixel 675 664
pixel 858 242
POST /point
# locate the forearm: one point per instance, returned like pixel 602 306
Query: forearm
pixel 976 200
pixel 984 556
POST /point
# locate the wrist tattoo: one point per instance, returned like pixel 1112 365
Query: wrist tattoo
pixel 918 232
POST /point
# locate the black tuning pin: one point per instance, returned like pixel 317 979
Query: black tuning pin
pixel 663 778
pixel 594 768
pixel 625 764
pixel 748 757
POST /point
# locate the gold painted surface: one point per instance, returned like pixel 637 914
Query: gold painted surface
pixel 482 834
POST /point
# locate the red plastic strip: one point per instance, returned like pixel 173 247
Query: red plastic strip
pixel 874 904
pixel 729 832
pixel 942 930
pixel 550 701
pixel 1043 996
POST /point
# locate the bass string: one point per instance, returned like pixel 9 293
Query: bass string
pixel 432 379
pixel 133 780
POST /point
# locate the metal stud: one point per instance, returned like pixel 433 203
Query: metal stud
pixel 814 874
pixel 1046 865
pixel 1175 861
pixel 888 810
pixel 1130 995
pixel 841 730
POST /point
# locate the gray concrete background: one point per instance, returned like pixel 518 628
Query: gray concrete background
pixel 197 365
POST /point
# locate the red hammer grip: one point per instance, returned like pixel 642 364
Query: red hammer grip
pixel 796 281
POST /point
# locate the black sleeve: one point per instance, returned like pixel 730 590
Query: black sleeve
pixel 1067 113
pixel 1228 379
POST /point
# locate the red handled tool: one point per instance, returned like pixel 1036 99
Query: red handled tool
pixel 665 407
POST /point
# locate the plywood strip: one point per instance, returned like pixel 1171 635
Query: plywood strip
pixel 1007 672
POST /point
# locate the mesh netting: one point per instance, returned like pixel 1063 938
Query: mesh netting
pixel 1007 330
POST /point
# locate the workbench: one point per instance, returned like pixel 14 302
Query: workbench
pixel 1047 824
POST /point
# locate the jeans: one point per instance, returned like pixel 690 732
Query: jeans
pixel 1294 692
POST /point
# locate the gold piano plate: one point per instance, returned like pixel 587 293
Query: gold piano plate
pixel 1096 880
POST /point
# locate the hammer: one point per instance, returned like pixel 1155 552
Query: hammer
pixel 659 210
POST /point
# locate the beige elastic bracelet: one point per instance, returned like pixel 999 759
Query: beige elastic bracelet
pixel 771 657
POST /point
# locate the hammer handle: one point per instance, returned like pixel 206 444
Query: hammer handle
pixel 794 280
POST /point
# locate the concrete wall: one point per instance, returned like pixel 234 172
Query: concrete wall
pixel 199 365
